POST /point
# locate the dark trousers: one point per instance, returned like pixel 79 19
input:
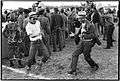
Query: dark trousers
pixel 109 37
pixel 42 51
pixel 57 40
pixel 85 48
pixel 105 33
pixel 46 40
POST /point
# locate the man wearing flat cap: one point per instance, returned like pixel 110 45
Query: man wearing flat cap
pixel 34 31
pixel 56 26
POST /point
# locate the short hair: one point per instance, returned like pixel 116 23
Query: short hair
pixel 56 9
pixel 48 10
pixel 72 8
pixel 41 12
pixel 62 10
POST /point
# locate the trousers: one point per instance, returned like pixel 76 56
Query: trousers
pixel 42 51
pixel 85 48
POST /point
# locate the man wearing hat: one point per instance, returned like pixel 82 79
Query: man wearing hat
pixel 33 29
pixel 88 39
pixel 56 26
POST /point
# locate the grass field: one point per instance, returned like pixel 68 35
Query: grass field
pixel 59 64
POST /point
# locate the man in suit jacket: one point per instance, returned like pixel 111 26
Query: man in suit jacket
pixel 56 26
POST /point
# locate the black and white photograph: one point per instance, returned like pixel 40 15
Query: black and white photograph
pixel 59 40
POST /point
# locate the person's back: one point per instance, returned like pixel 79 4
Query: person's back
pixel 44 24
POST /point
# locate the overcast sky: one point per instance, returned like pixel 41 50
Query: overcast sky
pixel 27 4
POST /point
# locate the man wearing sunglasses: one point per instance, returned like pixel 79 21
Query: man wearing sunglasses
pixel 33 29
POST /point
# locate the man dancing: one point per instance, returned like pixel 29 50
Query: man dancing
pixel 88 40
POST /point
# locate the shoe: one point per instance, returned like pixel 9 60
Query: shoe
pixel 54 50
pixel 107 48
pixel 21 66
pixel 111 45
pixel 72 72
pixel 28 69
pixel 11 63
pixel 95 68
pixel 113 40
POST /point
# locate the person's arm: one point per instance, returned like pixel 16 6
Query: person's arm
pixel 28 30
pixel 6 32
pixel 48 26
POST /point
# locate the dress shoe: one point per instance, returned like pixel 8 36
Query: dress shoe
pixel 107 48
pixel 28 69
pixel 72 72
pixel 11 63
pixel 21 66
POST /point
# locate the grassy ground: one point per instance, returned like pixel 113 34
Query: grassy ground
pixel 59 64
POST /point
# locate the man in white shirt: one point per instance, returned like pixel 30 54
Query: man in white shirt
pixel 33 29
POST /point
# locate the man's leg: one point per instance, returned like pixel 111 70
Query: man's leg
pixel 32 53
pixel 60 39
pixel 46 41
pixel 75 57
pixel 87 56
pixel 54 41
pixel 43 49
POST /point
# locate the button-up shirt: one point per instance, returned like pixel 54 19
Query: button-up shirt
pixel 34 31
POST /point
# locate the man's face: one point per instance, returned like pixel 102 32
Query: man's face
pixel 33 19
pixel 83 20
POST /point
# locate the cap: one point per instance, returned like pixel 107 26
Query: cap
pixel 82 13
pixel 32 13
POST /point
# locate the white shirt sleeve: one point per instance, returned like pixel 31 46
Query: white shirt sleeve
pixel 28 29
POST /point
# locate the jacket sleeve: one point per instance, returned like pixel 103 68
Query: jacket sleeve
pixel 52 23
pixel 48 27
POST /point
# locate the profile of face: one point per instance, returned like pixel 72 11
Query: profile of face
pixel 33 19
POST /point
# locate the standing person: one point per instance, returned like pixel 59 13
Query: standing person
pixel 20 19
pixel 56 26
pixel 95 18
pixel 45 25
pixel 12 34
pixel 88 40
pixel 110 30
pixel 71 19
pixel 64 27
pixel 33 29
pixel 25 37
pixel 48 14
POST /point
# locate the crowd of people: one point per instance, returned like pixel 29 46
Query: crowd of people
pixel 42 30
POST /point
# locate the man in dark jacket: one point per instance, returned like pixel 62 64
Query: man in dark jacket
pixel 56 25
pixel 110 30
pixel 95 18
pixel 88 40
pixel 45 25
